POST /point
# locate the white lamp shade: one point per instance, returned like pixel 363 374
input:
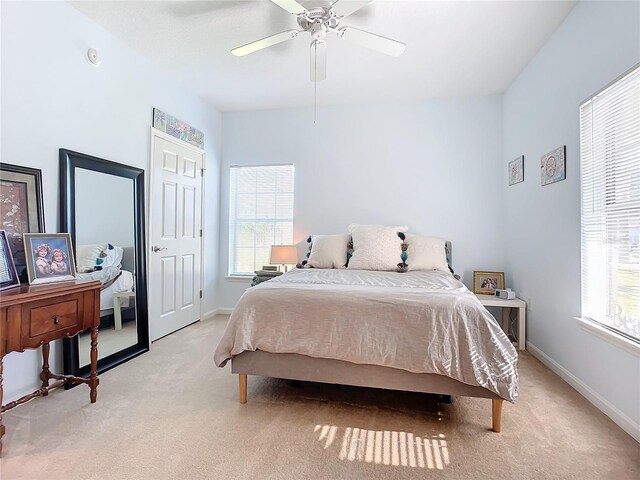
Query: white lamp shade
pixel 283 255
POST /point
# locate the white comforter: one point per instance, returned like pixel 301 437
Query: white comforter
pixel 423 322
pixel 113 280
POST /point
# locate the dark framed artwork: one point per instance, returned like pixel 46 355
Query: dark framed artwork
pixel 49 257
pixel 8 273
pixel 21 209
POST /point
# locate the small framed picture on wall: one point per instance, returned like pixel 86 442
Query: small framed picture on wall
pixel 516 170
pixel 552 166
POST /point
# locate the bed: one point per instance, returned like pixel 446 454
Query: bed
pixel 116 276
pixel 421 331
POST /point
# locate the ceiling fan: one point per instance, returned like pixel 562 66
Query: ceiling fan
pixel 318 21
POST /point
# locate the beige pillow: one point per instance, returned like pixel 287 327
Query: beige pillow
pixel 375 247
pixel 426 253
pixel 88 254
pixel 329 251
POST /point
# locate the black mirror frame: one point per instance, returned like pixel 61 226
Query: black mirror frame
pixel 69 161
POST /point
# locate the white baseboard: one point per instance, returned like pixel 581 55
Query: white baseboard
pixel 217 311
pixel 610 410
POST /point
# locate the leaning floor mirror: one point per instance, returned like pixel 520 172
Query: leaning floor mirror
pixel 102 207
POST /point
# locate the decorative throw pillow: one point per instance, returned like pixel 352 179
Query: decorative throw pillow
pixel 375 247
pixel 111 256
pixel 304 262
pixel 88 254
pixel 425 253
pixel 329 251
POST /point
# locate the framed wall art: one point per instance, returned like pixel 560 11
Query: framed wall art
pixel 486 283
pixel 49 257
pixel 552 166
pixel 177 128
pixel 8 273
pixel 516 170
pixel 21 208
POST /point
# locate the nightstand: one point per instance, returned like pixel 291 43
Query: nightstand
pixel 264 275
pixel 508 306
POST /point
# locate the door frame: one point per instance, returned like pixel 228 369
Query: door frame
pixel 155 133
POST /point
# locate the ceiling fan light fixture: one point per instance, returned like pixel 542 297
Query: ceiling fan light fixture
pixel 318 21
pixel 264 43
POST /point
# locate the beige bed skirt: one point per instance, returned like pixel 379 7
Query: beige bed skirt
pixel 293 366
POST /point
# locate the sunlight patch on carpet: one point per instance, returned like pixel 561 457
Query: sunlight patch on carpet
pixel 386 447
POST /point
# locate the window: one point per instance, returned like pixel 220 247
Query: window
pixel 260 215
pixel 610 186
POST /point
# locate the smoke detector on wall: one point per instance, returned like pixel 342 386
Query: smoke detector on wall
pixel 94 57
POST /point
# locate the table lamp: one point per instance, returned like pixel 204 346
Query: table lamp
pixel 283 255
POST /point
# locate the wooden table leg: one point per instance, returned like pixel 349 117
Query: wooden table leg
pixel 93 377
pixel 44 375
pixel 1 425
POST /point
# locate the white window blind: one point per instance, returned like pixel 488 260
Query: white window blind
pixel 610 186
pixel 260 215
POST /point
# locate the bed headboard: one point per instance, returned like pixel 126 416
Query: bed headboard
pixel 129 259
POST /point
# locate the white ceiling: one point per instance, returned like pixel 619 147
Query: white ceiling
pixel 453 48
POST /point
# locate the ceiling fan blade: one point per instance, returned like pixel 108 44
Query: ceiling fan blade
pixel 290 6
pixel 372 41
pixel 318 60
pixel 264 43
pixel 342 8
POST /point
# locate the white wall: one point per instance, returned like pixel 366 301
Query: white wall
pixel 433 166
pixel 104 209
pixel 597 42
pixel 52 98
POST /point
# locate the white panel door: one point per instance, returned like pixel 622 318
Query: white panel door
pixel 175 238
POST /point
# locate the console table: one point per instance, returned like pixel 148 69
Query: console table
pixel 33 316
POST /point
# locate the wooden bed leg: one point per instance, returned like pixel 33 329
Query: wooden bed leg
pixel 242 378
pixel 496 415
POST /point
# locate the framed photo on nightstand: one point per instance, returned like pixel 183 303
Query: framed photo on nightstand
pixel 486 283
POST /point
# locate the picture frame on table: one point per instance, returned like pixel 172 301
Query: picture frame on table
pixel 49 257
pixel 486 283
pixel 8 273
pixel 21 209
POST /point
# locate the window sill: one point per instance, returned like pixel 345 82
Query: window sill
pixel 239 278
pixel 611 337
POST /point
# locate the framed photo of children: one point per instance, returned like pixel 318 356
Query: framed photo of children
pixel 49 257
pixel 486 283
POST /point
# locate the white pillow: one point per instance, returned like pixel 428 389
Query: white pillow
pixel 329 251
pixel 111 256
pixel 375 247
pixel 87 254
pixel 426 253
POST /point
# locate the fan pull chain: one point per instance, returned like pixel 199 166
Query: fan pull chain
pixel 315 81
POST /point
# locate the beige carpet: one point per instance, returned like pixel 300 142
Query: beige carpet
pixel 171 414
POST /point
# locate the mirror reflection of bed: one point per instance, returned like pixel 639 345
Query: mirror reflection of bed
pixel 105 251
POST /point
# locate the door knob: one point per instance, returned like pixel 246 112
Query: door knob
pixel 156 249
